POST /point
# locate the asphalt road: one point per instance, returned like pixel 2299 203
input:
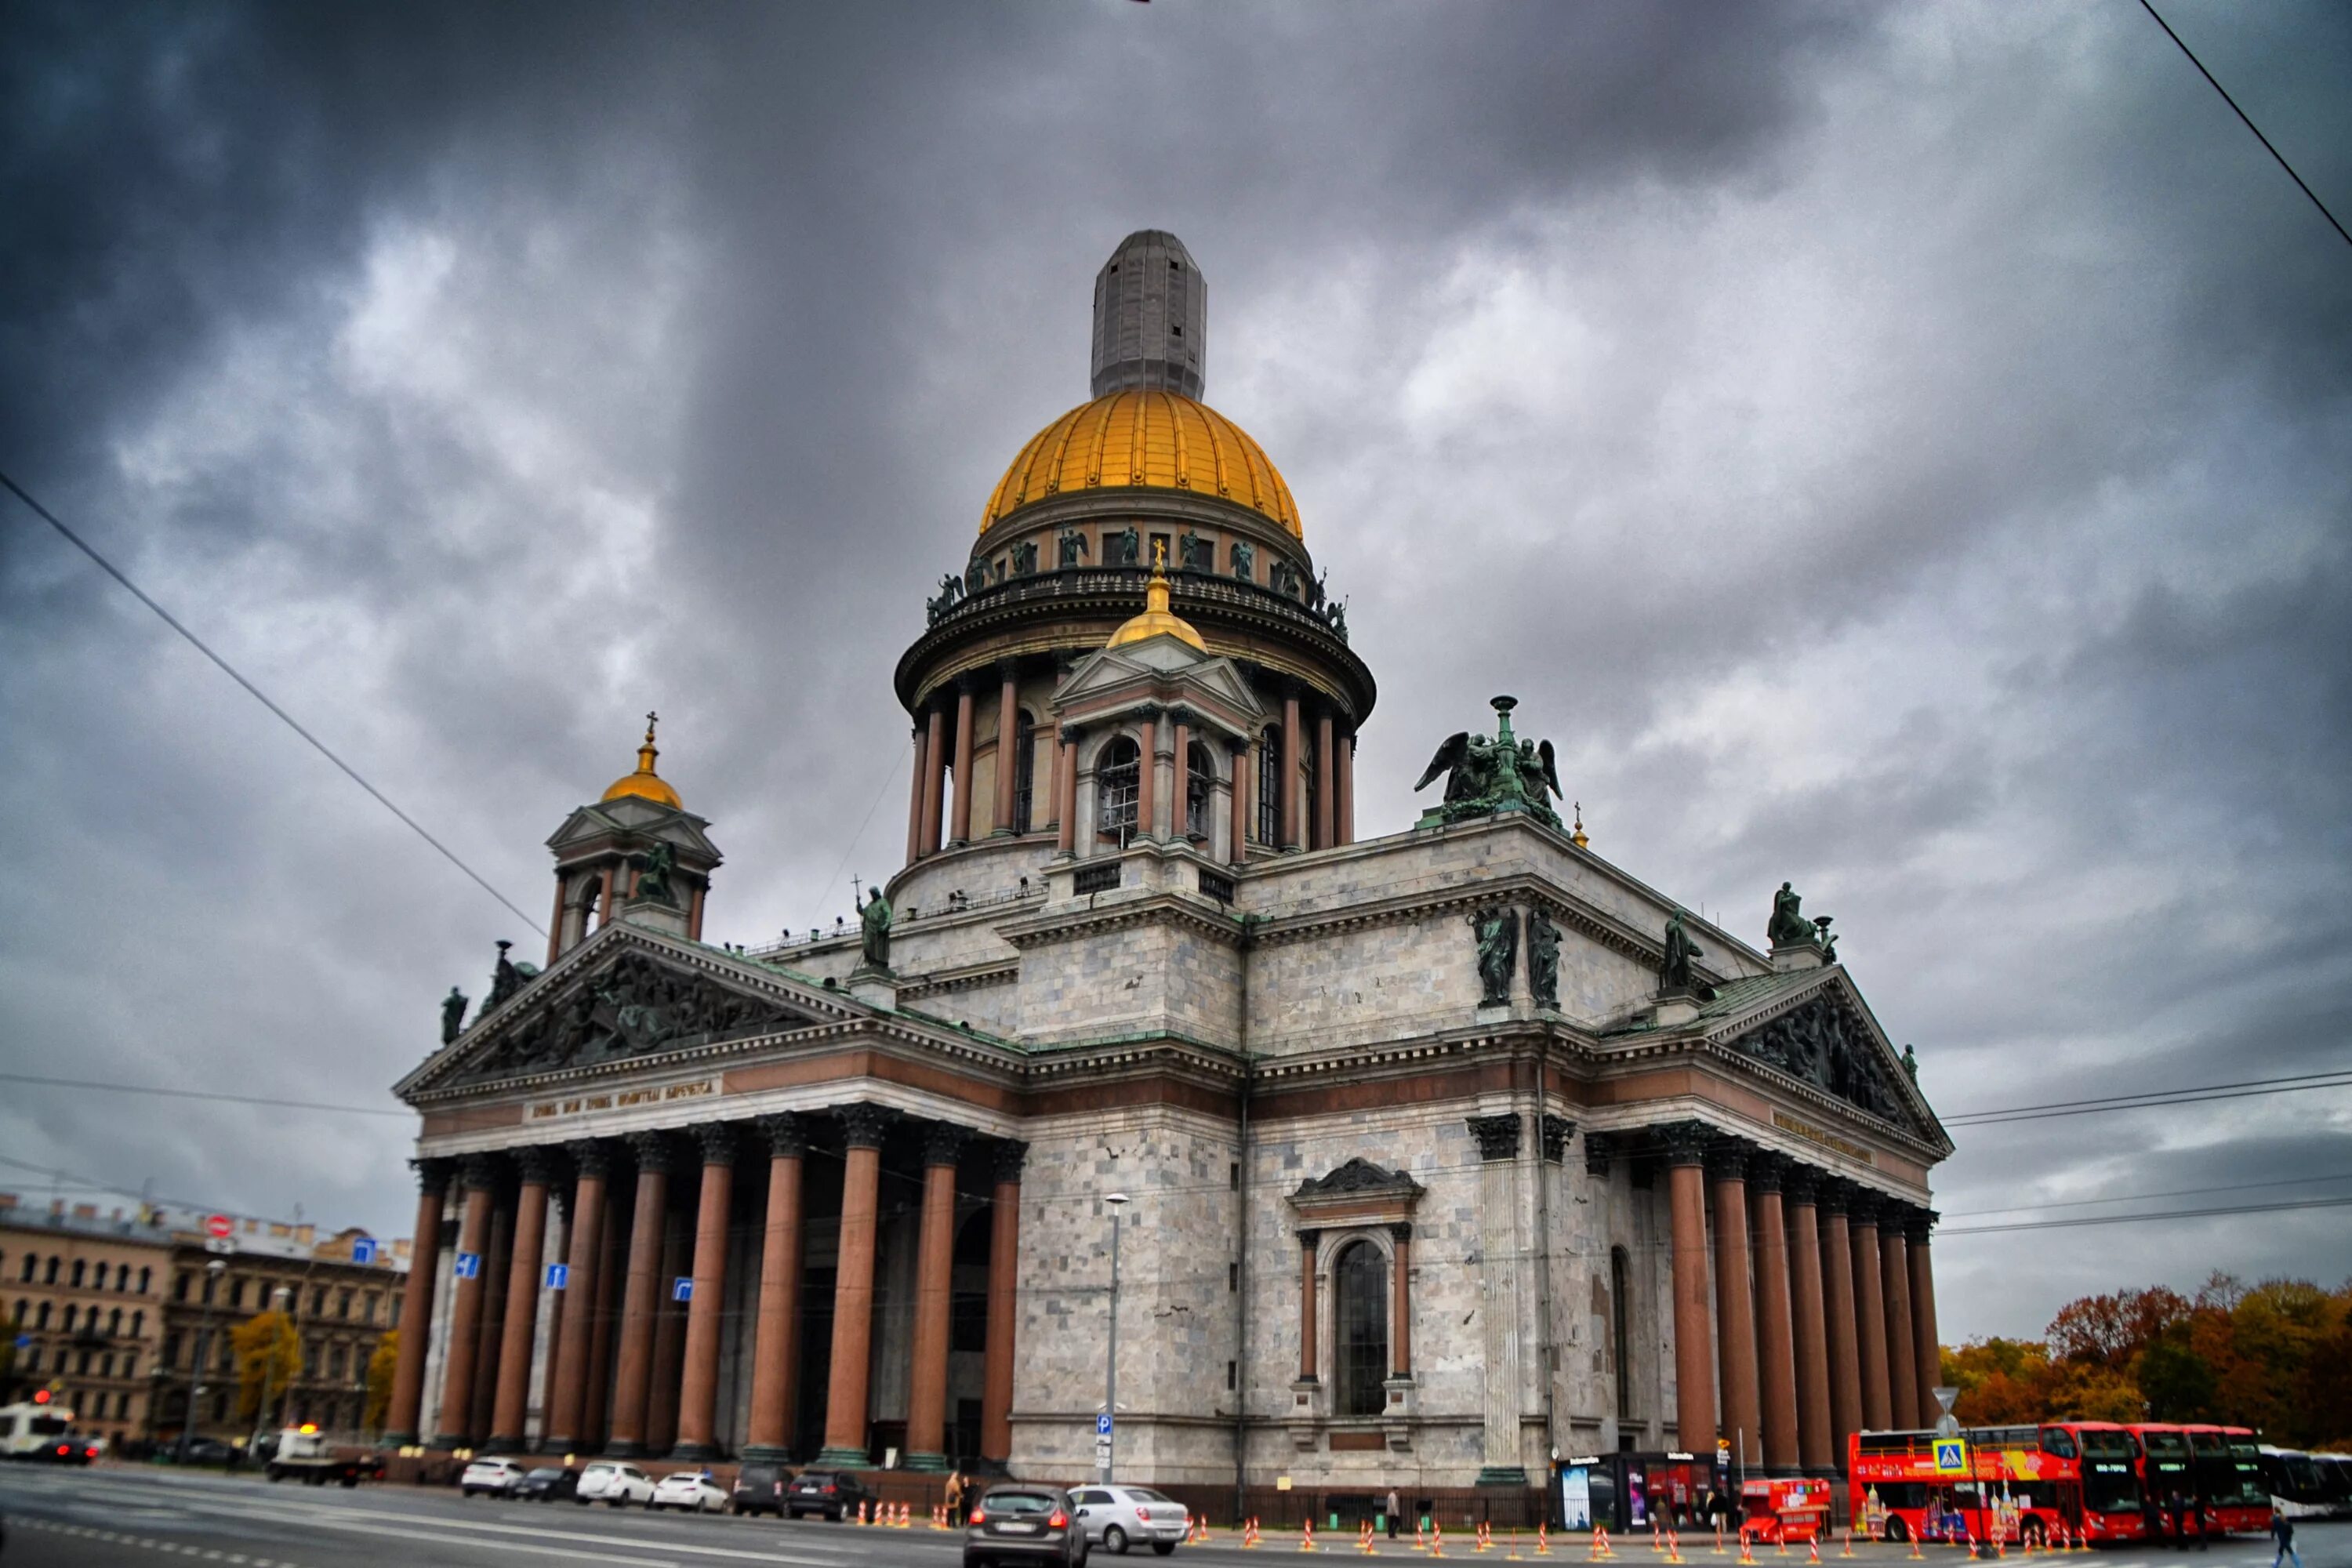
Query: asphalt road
pixel 103 1517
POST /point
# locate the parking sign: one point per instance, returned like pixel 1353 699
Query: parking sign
pixel 559 1275
pixel 681 1288
pixel 1102 1425
pixel 364 1250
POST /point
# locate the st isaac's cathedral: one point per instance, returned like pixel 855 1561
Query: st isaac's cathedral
pixel 1430 1156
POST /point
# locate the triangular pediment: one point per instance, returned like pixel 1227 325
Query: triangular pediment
pixel 1163 668
pixel 620 996
pixel 635 818
pixel 1825 1035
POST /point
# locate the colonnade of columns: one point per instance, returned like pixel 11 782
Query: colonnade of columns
pixel 1821 1321
pixel 626 1376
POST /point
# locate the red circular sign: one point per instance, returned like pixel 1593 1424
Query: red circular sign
pixel 220 1225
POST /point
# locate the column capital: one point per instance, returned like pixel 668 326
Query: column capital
pixel 1307 1237
pixel 1401 1230
pixel 1180 714
pixel 481 1171
pixel 787 1134
pixel 944 1144
pixel 1601 1151
pixel 1863 1207
pixel 1727 1159
pixel 657 1151
pixel 718 1140
pixel 1802 1183
pixel 1917 1223
pixel 1556 1131
pixel 592 1156
pixel 433 1176
pixel 1008 667
pixel 863 1124
pixel 1832 1191
pixel 1766 1169
pixel 1005 1158
pixel 1683 1143
pixel 1071 734
pixel 1498 1136
pixel 539 1164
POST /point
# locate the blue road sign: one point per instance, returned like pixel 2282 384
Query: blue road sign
pixel 468 1266
pixel 24 1341
pixel 1102 1425
pixel 559 1275
pixel 681 1288
pixel 1951 1456
pixel 364 1250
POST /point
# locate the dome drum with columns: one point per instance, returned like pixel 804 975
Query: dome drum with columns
pixel 1450 1148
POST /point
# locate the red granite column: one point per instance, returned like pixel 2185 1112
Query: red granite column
pixel 1869 1310
pixel 1894 1288
pixel 1238 798
pixel 1065 791
pixel 495 1264
pixel 551 1366
pixel 1776 1348
pixel 1839 1319
pixel 521 1331
pixel 1008 730
pixel 1344 759
pixel 417 1306
pixel 853 1288
pixel 698 1397
pixel 935 764
pixel 772 1372
pixel 1685 1145
pixel 1927 1353
pixel 1327 775
pixel 463 1347
pixel 1294 737
pixel 555 924
pixel 1400 1302
pixel 1816 1442
pixel 1735 1309
pixel 1146 779
pixel 568 1398
pixel 1308 1360
pixel 662 1385
pixel 642 1297
pixel 927 1396
pixel 1179 777
pixel 605 1319
pixel 1004 1302
pixel 918 783
pixel 959 820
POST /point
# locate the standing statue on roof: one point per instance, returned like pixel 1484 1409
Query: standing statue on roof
pixel 874 931
pixel 1675 977
pixel 453 1014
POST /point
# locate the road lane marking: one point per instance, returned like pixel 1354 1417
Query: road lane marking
pixel 332 1516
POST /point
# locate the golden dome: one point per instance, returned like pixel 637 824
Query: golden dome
pixel 1157 619
pixel 646 783
pixel 1143 436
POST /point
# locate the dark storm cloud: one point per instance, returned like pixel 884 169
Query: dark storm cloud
pixel 1900 450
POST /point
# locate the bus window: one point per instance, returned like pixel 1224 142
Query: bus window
pixel 2057 1440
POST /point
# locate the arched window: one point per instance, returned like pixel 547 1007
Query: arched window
pixel 1360 1280
pixel 123 1276
pixel 80 1270
pixel 146 1278
pixel 138 1325
pixel 1024 771
pixel 41 1318
pixel 114 1322
pixel 49 1274
pixel 1620 1285
pixel 70 1318
pixel 23 1307
pixel 1269 788
pixel 1200 778
pixel 1117 778
pixel 30 1261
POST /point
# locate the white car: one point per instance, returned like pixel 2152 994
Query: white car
pixel 498 1477
pixel 615 1484
pixel 691 1491
pixel 1118 1516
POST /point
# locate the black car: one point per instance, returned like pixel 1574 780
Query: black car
pixel 835 1494
pixel 760 1488
pixel 1023 1524
pixel 550 1483
pixel 209 1451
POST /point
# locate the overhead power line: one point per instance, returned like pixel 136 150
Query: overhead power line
pixel 263 698
pixel 2248 122
pixel 2143 1197
pixel 2154 1097
pixel 1941 1233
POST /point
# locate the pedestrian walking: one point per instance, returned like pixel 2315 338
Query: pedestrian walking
pixel 956 1490
pixel 2283 1531
pixel 2177 1506
pixel 1396 1503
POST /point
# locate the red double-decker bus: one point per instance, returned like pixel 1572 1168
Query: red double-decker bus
pixel 2226 1464
pixel 2104 1501
pixel 2020 1482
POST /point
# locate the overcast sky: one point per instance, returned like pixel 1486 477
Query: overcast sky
pixel 1901 451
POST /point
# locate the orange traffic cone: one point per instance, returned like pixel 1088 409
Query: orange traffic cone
pixel 1718 1537
pixel 1249 1530
pixel 1812 1549
pixel 1780 1544
pixel 1847 1550
pixel 861 1513
pixel 1306 1536
pixel 1543 1538
pixel 1364 1537
pixel 1674 1547
pixel 1746 1555
pixel 1486 1537
pixel 1601 1547
pixel 1914 1548
pixel 1436 1537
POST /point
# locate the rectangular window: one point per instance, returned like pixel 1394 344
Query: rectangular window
pixel 1232 1277
pixel 1232 1372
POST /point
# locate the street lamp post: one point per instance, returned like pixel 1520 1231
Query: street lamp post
pixel 214 1268
pixel 283 1296
pixel 1116 1201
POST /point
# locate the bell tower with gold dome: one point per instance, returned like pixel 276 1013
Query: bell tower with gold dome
pixel 1143 473
pixel 637 852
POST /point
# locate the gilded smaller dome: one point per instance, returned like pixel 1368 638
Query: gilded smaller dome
pixel 1158 619
pixel 646 783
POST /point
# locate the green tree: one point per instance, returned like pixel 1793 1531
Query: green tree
pixel 381 1367
pixel 2177 1384
pixel 268 1359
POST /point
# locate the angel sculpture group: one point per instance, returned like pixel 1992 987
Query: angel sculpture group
pixel 1485 776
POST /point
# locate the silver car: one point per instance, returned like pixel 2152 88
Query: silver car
pixel 1121 1516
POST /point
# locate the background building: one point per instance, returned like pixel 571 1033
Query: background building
pixel 84 1294
pixel 1441 1152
